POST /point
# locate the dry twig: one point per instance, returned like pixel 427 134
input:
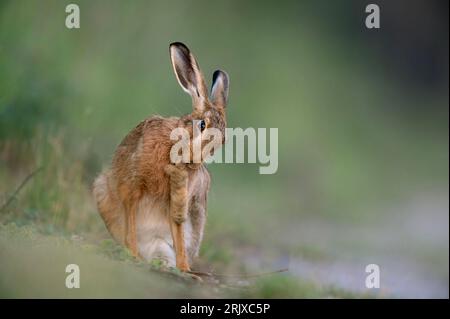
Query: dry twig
pixel 24 182
pixel 244 276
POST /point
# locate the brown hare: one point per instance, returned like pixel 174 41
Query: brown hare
pixel 151 205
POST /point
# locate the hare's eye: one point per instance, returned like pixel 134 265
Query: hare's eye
pixel 202 125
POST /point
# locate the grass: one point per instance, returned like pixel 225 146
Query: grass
pixel 33 266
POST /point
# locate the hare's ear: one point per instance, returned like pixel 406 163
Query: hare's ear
pixel 188 74
pixel 219 89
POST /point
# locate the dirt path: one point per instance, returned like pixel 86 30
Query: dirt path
pixel 410 245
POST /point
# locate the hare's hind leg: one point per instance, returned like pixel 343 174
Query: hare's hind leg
pixel 109 207
pixel 178 213
pixel 130 200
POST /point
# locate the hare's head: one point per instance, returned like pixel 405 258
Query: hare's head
pixel 209 110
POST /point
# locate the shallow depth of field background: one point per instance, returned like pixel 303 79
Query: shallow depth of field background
pixel 363 143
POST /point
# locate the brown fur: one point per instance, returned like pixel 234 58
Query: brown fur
pixel 143 195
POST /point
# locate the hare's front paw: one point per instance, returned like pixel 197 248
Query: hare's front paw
pixel 183 266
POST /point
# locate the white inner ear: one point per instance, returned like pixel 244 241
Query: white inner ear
pixel 176 56
pixel 217 85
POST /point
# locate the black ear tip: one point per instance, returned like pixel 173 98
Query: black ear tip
pixel 178 45
pixel 215 75
pixel 218 73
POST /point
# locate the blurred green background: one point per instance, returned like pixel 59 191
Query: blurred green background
pixel 363 142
